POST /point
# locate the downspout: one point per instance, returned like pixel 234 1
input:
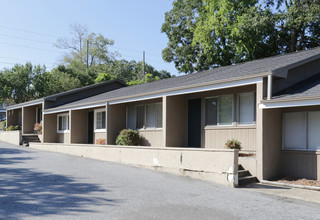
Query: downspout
pixel 269 92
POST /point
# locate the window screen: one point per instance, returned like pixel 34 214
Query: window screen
pixel 246 108
pixel 132 113
pixel 225 110
pixel 211 111
pixel 140 116
pixel 314 130
pixel 295 130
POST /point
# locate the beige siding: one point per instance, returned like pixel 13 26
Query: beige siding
pixel 29 119
pixel 63 138
pixel 79 127
pixel 116 121
pixel 301 164
pixel 13 117
pixel 50 128
pixel 217 137
pixel 152 138
pixel 98 135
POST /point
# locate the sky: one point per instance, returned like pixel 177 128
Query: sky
pixel 29 29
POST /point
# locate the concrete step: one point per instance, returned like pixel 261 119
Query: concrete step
pixel 247 180
pixel 243 173
pixel 240 167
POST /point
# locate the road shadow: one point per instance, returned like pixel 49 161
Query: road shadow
pixel 27 192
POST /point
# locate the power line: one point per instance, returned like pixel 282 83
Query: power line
pixel 26 31
pixel 5 35
pixel 37 48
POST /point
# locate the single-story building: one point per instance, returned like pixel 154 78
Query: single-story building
pixel 271 105
pixel 2 112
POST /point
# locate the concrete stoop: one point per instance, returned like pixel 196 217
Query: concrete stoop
pixel 26 139
pixel 245 177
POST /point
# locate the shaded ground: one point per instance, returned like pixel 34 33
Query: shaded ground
pixel 43 185
pixel 296 181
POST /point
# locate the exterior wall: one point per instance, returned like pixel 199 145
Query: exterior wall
pixel 116 121
pixel 152 137
pixel 272 142
pixel 50 128
pixel 177 121
pixel 219 166
pixel 259 132
pixel 11 137
pixel 63 138
pixel 79 127
pixel 13 117
pixel 29 119
pixel 98 135
pixel 217 137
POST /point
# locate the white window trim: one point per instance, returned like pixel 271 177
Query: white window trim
pixel 238 109
pixel 63 131
pixel 95 120
pixel 219 125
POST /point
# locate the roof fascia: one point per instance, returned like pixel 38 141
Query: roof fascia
pixel 24 105
pixel 287 103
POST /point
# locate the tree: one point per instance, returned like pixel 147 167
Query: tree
pixel 148 78
pixel 103 77
pixel 211 33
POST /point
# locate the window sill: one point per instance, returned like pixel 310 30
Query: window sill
pixel 150 129
pixel 226 127
pixel 301 151
pixel 63 132
pixel 100 130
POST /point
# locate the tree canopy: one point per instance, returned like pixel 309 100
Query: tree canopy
pixel 208 33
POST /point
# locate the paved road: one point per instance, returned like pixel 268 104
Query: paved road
pixel 43 185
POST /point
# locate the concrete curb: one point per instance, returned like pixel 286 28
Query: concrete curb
pixel 290 185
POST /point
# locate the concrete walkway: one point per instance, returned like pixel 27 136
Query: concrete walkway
pixel 44 185
pixel 288 192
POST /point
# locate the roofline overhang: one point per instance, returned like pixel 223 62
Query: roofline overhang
pixel 24 105
pixel 201 87
pixel 290 102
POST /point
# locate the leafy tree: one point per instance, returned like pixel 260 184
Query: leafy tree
pixel 148 78
pixel 102 77
pixel 206 34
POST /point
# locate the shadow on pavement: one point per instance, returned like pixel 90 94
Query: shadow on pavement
pixel 263 186
pixel 24 191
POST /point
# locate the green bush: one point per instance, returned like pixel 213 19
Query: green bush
pixel 128 137
pixel 233 144
pixel 13 128
pixel 3 125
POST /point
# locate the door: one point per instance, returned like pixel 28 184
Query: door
pixel 194 123
pixel 90 127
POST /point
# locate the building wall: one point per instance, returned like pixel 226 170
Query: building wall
pixel 79 127
pixel 152 137
pixel 217 137
pixel 177 121
pixel 116 121
pixel 63 138
pixel 98 135
pixel 13 117
pixel 50 128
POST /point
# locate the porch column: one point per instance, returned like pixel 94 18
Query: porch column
pixel 259 130
pixel 70 127
pixel 107 122
pixel 164 120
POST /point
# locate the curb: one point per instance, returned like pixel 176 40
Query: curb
pixel 290 185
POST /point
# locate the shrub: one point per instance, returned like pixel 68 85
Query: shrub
pixel 37 128
pixel 3 125
pixel 101 141
pixel 128 137
pixel 13 128
pixel 233 144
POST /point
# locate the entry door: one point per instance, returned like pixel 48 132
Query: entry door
pixel 194 123
pixel 90 127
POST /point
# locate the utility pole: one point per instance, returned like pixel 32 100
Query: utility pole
pixel 143 61
pixel 87 54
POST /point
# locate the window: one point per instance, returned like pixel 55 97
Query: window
pixel 301 130
pixel 100 120
pixel 154 115
pixel 246 108
pixel 144 116
pixel 63 123
pixel 219 110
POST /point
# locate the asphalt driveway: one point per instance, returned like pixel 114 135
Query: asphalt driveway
pixel 43 185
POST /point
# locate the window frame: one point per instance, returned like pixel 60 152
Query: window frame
pixel 218 124
pixel 254 111
pixel 68 123
pixel 96 111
